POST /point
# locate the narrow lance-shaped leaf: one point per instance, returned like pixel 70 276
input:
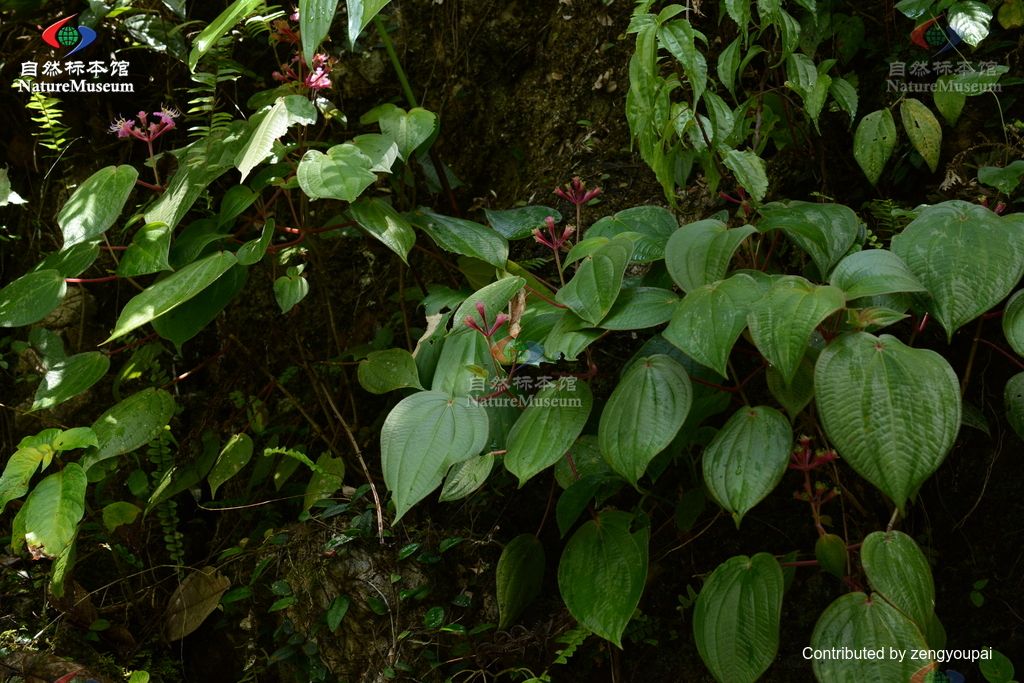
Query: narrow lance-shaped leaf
pixel 644 414
pixel 360 13
pixel 747 458
pixel 217 28
pixel 891 410
pixel 736 618
pixel 233 457
pixel 315 17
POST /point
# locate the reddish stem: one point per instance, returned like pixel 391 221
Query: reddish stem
pixel 90 280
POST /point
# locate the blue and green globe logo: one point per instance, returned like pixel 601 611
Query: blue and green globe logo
pixel 61 34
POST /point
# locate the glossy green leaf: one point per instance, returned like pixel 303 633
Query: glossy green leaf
pixel 252 252
pixel 845 95
pixel 831 554
pixel 494 297
pixel 970 20
pixel 795 395
pixel 649 227
pixel 217 28
pixel 1013 400
pixel 826 232
pixel 873 143
pixel 747 458
pixel 148 252
pixel 52 511
pixel 387 370
pixel 463 237
pixel 967 257
pixel 782 322
pixel 409 129
pixel 519 575
pixel 118 514
pixel 184 322
pixel 171 292
pixel 873 272
pixel 923 129
pixel 709 320
pixel 326 479
pixel 96 204
pixel 69 377
pixel 899 572
pixel 643 414
pixel 862 622
pixel 21 466
pixel 547 428
pixel 699 253
pixel 466 477
pixel 595 286
pixel 315 17
pixel 680 39
pixel 892 411
pixel 233 457
pixel 465 366
pixel 337 611
pixel 384 224
pixel 514 224
pixel 73 261
pixel 1013 322
pixel 129 424
pixel 602 573
pixel 750 172
pixel 736 618
pixel 342 173
pixel 569 336
pixel 360 14
pixel 31 297
pixel 422 437
pixel 638 308
pixel 290 289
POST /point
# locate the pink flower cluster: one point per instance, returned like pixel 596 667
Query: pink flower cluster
pixel 553 241
pixel 576 192
pixel 319 77
pixel 144 129
pixel 488 332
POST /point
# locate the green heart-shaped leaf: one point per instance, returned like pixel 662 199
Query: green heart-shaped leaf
pixel 595 286
pixel 643 414
pixel 873 143
pixel 747 458
pixel 891 410
pixel 782 322
pixel 547 428
pixel 519 575
pixel 698 254
pixel 53 509
pixel 650 228
pixel 736 617
pixel 422 437
pixel 967 257
pixel 873 272
pixel 899 572
pixel 826 232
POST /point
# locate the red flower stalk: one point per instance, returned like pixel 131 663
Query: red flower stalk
pixel 576 192
pixel 488 332
pixel 553 241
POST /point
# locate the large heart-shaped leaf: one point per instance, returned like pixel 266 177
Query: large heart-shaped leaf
pixel 698 254
pixel 899 572
pixel 824 231
pixel 549 425
pixel 422 437
pixel 643 414
pixel 342 173
pixel 649 227
pixel 171 292
pixel 873 143
pixel 129 424
pixel 860 622
pixel 967 257
pixel 519 575
pixel 873 272
pixel 52 511
pixel 747 458
pixel 463 237
pixel 96 204
pixel 31 297
pixel 409 129
pixel 602 573
pixel 384 224
pixel 595 286
pixel 736 617
pixel 709 320
pixel 891 410
pixel 781 323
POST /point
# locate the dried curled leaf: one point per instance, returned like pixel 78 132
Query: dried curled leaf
pixel 195 599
